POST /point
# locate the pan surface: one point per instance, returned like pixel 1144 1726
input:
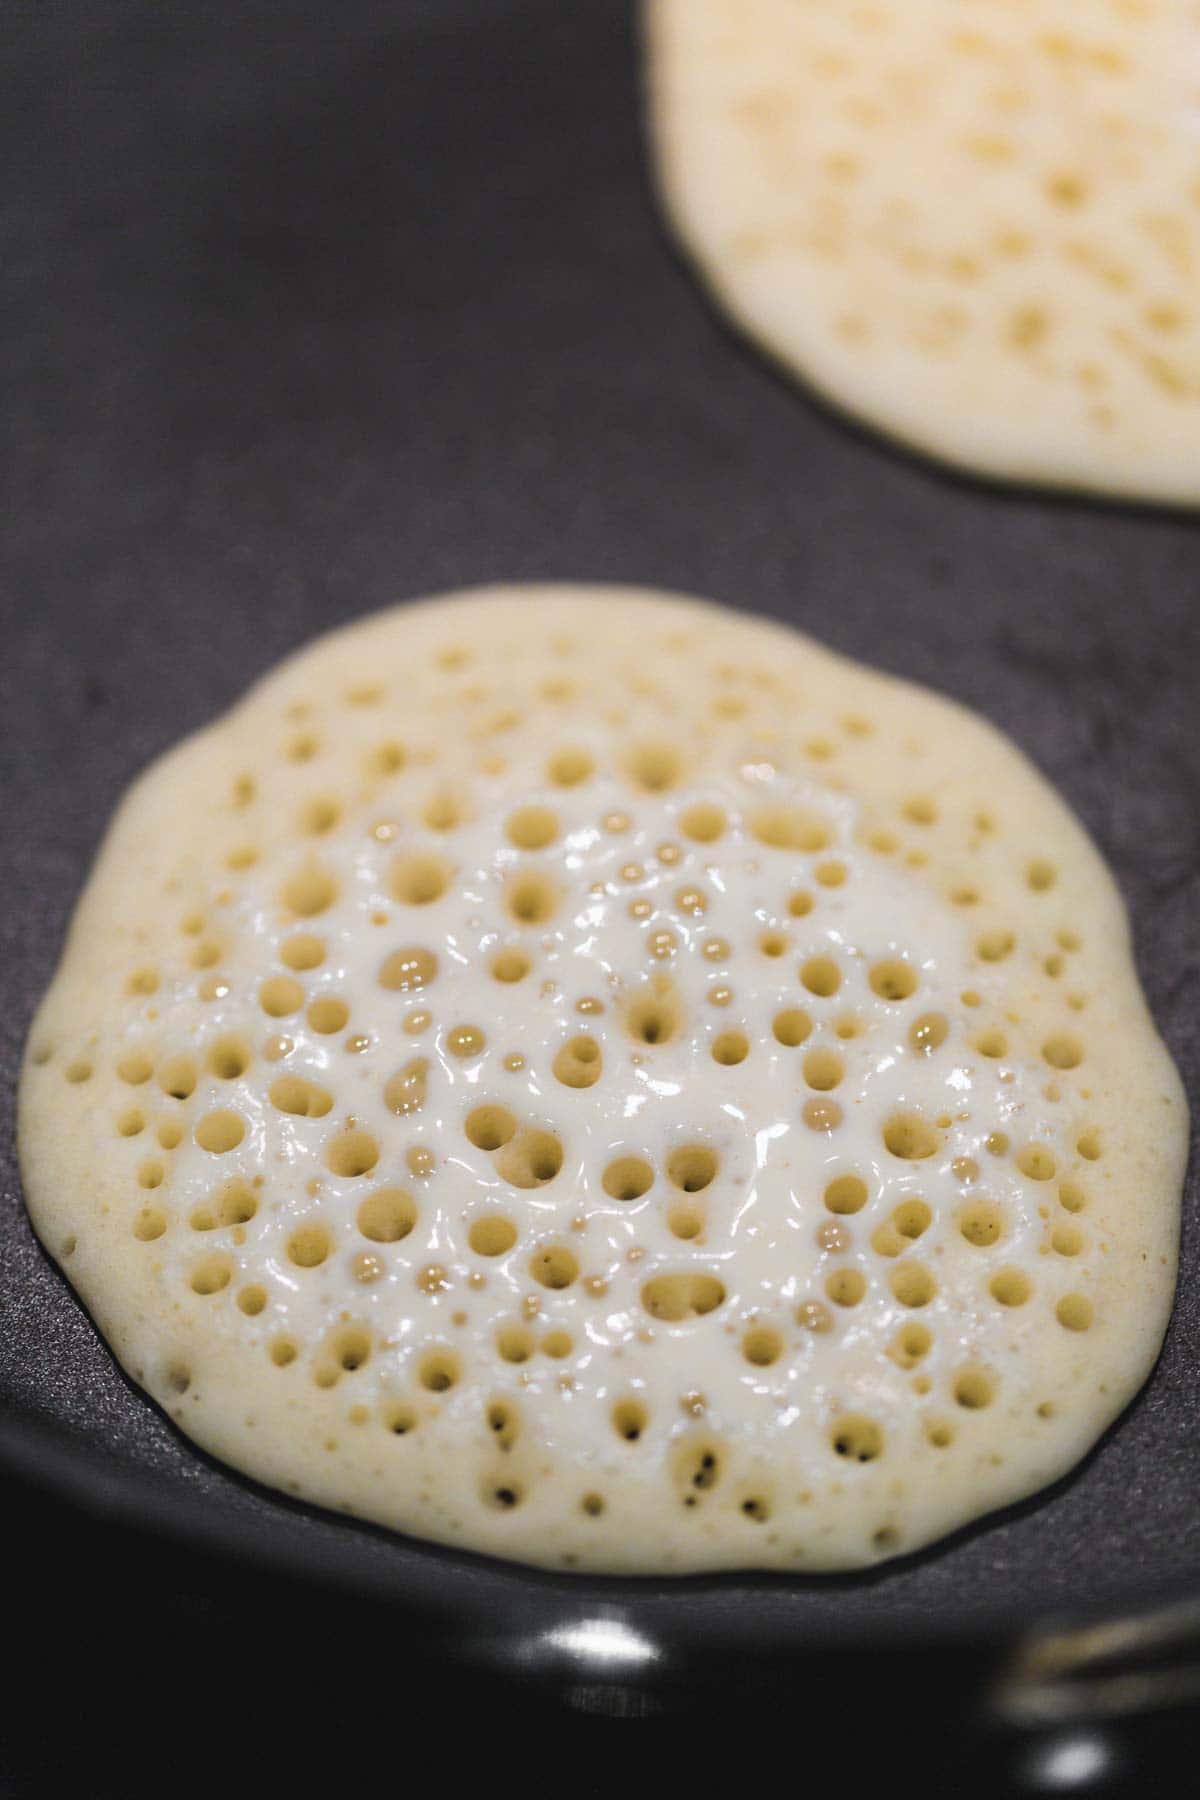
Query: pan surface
pixel 313 308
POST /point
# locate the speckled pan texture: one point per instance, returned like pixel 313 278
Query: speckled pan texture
pixel 976 228
pixel 594 1078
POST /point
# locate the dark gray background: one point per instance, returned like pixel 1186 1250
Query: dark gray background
pixel 308 308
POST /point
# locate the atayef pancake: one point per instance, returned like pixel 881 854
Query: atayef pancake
pixel 976 228
pixel 591 1077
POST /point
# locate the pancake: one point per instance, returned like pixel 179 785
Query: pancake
pixel 974 228
pixel 591 1077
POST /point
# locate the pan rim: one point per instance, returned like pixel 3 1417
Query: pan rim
pixel 45 1459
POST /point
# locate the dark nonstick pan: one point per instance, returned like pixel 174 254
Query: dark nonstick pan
pixel 311 308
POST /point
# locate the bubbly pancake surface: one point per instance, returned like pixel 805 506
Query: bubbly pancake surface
pixel 590 1077
pixel 975 227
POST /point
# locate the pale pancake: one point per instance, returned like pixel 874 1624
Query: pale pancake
pixel 586 1076
pixel 976 228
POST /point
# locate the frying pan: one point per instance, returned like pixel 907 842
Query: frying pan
pixel 313 308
